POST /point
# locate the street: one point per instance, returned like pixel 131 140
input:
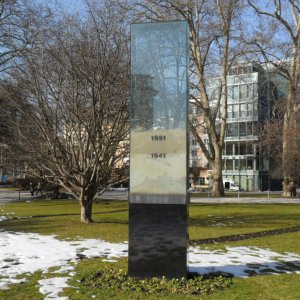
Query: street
pixel 7 196
pixel 122 194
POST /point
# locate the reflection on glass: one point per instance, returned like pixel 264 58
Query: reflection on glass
pixel 159 75
pixel 158 159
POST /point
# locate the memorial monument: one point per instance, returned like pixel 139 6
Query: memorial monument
pixel 158 156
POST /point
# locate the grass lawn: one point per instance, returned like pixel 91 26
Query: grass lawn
pixel 61 217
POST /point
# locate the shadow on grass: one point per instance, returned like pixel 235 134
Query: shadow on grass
pixel 240 237
pixel 244 219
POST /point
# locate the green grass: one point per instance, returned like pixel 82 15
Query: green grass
pixel 62 218
pixel 210 221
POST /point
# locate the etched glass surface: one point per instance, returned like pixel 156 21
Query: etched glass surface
pixel 158 109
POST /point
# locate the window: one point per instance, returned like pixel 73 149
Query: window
pixel 194 142
pixel 229 148
pixel 243 128
pixel 249 128
pixel 243 110
pixel 250 90
pixel 235 111
pixel 202 180
pixel 243 164
pixel 255 111
pixel 194 153
pixel 236 93
pixel 232 129
pixel 229 164
pixel 250 164
pixel 230 94
pixel 250 109
pixel 243 91
pixel 230 111
pixel 243 148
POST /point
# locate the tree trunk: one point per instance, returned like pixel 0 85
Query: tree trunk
pixel 86 203
pixel 218 188
pixel 86 211
pixel 287 140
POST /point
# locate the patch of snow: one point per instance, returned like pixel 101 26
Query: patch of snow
pixel 5 282
pixel 51 287
pixel 23 253
pixel 242 261
pixel 26 253
pixel 4 218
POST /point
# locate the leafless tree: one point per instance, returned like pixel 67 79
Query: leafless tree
pixel 71 93
pixel 277 39
pixel 16 37
pixel 214 46
pixel 15 30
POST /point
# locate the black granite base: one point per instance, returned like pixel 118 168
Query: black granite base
pixel 158 240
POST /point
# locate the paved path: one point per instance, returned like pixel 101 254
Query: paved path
pixel 228 200
pixel 121 194
pixel 7 196
pixel 11 196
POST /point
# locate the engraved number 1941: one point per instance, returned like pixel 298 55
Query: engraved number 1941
pixel 158 155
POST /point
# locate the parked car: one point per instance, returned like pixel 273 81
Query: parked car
pixel 230 185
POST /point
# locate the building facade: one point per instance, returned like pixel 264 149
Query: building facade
pixel 250 92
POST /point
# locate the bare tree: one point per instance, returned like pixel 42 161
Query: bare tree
pixel 211 39
pixel 17 22
pixel 16 35
pixel 277 39
pixel 72 100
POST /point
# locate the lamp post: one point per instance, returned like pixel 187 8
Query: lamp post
pixel 239 182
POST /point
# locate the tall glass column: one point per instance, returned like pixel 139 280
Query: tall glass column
pixel 158 155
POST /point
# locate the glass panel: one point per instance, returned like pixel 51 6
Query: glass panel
pixel 229 111
pixel 230 94
pixel 236 93
pixel 243 148
pixel 235 111
pixel 250 109
pixel 159 61
pixel 250 147
pixel 159 76
pixel 232 129
pixel 229 148
pixel 255 114
pixel 250 90
pixel 249 128
pixel 250 164
pixel 243 91
pixel 243 128
pixel 229 164
pixel 243 110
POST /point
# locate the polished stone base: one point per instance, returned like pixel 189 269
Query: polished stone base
pixel 157 240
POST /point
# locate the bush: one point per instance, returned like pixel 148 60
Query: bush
pixel 118 280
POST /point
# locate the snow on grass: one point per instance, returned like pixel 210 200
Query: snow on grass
pixel 25 253
pixel 51 287
pixel 243 261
